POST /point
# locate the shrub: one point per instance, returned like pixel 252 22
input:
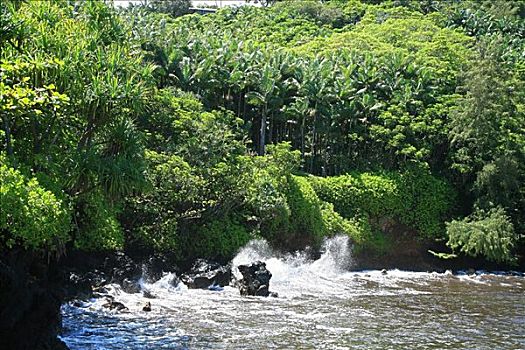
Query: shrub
pixel 98 227
pixel 305 210
pixel 320 13
pixel 265 180
pixel 174 191
pixel 266 203
pixel 373 193
pixel 335 224
pixel 414 198
pixel 30 215
pixel 487 233
pixel 218 239
pixel 425 202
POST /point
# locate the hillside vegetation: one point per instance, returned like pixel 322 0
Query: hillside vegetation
pixel 137 128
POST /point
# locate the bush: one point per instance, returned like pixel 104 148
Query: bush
pixel 265 202
pixel 487 233
pixel 414 198
pixel 335 224
pixel 373 193
pixel 218 239
pixel 265 180
pixel 425 202
pixel 98 227
pixel 305 209
pixel 30 215
pixel 174 191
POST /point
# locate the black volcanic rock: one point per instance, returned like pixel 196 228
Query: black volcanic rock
pixel 206 273
pixel 256 279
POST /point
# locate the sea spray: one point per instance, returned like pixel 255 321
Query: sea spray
pixel 321 304
pixel 294 274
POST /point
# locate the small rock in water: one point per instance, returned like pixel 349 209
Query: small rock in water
pixel 471 271
pixel 384 272
pixel 147 307
pixel 115 305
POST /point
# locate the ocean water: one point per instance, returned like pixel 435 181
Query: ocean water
pixel 321 305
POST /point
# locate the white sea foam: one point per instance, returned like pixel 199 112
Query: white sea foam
pixel 321 304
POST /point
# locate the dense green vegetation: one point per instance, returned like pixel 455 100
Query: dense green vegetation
pixel 154 129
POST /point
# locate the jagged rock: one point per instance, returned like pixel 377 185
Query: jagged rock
pixel 155 266
pixel 130 286
pixel 101 292
pixel 29 303
pixel 256 279
pixel 122 267
pixel 78 286
pixel 115 305
pixel 205 273
pixel 147 307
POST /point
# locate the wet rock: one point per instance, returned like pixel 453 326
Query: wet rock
pixel 122 267
pixel 155 266
pixel 147 307
pixel 471 271
pixel 206 273
pixel 148 294
pixel 256 279
pixel 101 292
pixel 115 305
pixel 78 286
pixel 174 280
pixel 384 272
pixel 29 303
pixel 130 286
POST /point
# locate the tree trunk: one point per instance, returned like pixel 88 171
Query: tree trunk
pixel 7 130
pixel 302 138
pixel 262 137
pixel 271 136
pixel 312 148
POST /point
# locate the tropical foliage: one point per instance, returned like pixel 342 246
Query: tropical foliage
pixel 151 128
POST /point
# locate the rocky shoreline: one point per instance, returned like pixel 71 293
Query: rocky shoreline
pixel 32 290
